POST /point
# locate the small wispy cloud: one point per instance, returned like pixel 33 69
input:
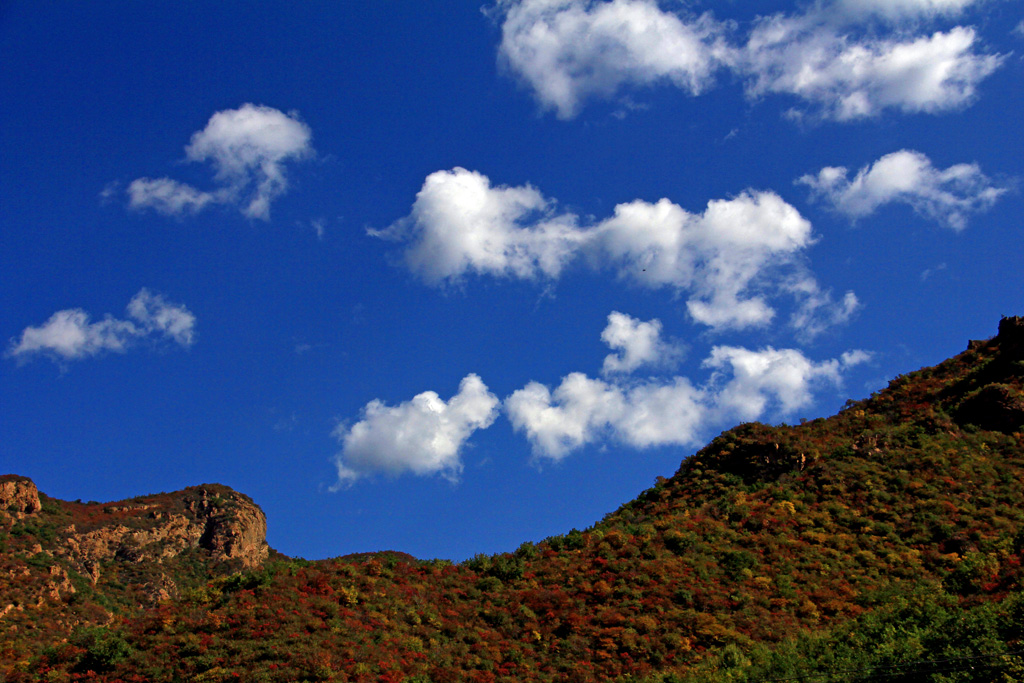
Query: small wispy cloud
pixel 248 149
pixel 947 196
pixel 70 334
pixel 928 272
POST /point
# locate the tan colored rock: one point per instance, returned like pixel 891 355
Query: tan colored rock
pixel 237 530
pixel 168 539
pixel 18 495
pixel 226 523
pixel 59 584
pixel 164 588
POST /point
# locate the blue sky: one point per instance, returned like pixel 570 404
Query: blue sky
pixel 443 278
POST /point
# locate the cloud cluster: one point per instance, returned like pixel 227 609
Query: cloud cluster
pixel 946 196
pixel 248 148
pixel 422 436
pixel 425 436
pixel 460 225
pixel 69 334
pixel 744 385
pixel 570 50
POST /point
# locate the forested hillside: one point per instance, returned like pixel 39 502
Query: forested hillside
pixel 883 543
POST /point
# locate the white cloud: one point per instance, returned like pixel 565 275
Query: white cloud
pixel 902 9
pixel 723 258
pixel 320 228
pixel 638 343
pixel 947 196
pixel 783 376
pixel 570 50
pixel 156 316
pixel 168 196
pixel 69 334
pixel 248 148
pixel 928 272
pixel 460 224
pixel 745 385
pixel 583 410
pixel 856 357
pixel 423 436
pixel 816 310
pixel 851 78
pixel 719 256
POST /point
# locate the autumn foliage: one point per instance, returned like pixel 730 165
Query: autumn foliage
pixel 885 536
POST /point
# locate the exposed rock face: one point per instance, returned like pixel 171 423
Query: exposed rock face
pixel 138 552
pixel 212 518
pixel 235 530
pixel 18 495
pixel 90 549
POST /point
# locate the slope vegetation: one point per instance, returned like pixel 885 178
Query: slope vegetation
pixel 883 543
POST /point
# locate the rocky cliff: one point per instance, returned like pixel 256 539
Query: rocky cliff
pixel 18 495
pixel 81 562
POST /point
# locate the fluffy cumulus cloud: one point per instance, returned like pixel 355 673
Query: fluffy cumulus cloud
pixel 70 334
pixel 751 379
pixel 460 224
pixel 583 410
pixel 849 78
pixel 722 258
pixel 636 343
pixel 947 196
pixel 570 50
pixel 745 385
pixel 248 148
pixel 423 436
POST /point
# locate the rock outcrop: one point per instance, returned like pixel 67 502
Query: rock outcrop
pixel 18 495
pixel 235 529
pixel 222 524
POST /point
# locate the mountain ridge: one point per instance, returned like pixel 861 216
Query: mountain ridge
pixel 904 504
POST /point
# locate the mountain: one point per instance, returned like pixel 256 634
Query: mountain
pixel 884 542
pixel 68 564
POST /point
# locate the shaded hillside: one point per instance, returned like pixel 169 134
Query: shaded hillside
pixel 885 536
